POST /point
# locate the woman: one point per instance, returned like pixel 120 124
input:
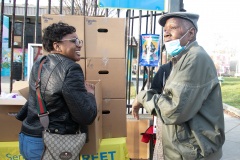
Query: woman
pixel 70 102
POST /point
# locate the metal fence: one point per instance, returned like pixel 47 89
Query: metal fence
pixel 137 22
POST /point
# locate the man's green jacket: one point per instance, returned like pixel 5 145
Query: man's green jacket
pixel 190 107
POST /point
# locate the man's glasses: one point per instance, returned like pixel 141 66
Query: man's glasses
pixel 77 42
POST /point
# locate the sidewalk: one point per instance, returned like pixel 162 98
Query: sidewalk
pixel 231 147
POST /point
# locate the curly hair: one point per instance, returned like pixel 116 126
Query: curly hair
pixel 54 33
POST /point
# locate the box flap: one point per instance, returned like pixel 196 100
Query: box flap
pixel 21 87
pixel 19 100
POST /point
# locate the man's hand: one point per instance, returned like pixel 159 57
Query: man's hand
pixel 135 108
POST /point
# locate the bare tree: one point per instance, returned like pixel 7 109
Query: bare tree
pixel 91 8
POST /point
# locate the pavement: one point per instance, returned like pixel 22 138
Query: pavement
pixel 231 147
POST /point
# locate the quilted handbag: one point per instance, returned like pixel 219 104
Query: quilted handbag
pixel 57 146
pixel 64 147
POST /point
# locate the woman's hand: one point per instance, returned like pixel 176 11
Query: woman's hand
pixel 90 87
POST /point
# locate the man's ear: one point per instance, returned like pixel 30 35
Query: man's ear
pixel 192 33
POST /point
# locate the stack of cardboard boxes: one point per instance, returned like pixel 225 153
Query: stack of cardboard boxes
pixel 105 60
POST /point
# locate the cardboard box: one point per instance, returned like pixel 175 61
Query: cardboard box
pixel 114 118
pixel 136 148
pixel 9 107
pixel 105 37
pixel 95 129
pixel 111 72
pixel 73 20
pixel 10 126
pixel 21 87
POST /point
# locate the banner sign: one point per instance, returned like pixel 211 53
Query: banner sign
pixel 10 151
pixel 5 36
pixel 149 50
pixel 110 149
pixel 156 5
pixel 17 57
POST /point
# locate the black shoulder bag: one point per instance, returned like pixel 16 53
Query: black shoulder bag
pixel 64 147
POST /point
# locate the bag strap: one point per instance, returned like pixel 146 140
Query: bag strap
pixel 42 110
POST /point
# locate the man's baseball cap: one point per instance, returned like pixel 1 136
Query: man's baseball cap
pixel 193 18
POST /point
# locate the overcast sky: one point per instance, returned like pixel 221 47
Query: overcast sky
pixel 218 22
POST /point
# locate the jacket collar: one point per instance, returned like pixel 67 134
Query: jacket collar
pixel 188 47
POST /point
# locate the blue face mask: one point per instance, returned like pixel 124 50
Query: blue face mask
pixel 173 47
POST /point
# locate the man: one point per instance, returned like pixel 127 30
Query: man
pixel 191 103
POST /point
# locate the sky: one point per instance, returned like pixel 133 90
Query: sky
pixel 218 22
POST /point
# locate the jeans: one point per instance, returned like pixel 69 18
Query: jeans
pixel 31 148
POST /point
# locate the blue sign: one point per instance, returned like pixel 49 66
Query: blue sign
pixel 149 50
pixel 156 5
pixel 5 36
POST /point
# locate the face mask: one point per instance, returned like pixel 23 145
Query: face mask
pixel 173 47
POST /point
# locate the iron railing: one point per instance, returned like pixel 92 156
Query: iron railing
pixel 137 22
